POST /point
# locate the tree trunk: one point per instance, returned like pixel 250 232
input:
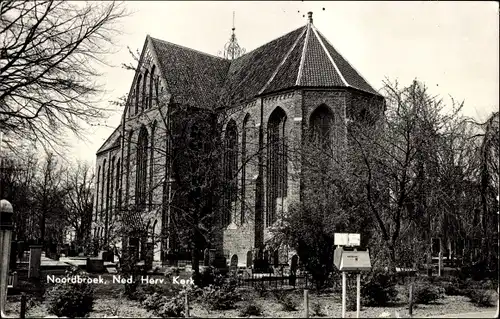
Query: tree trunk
pixel 392 256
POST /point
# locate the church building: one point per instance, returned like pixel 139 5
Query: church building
pixel 184 106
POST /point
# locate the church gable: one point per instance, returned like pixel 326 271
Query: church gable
pixel 111 142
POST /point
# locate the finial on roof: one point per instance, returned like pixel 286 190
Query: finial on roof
pixel 310 17
pixel 232 49
pixel 233 23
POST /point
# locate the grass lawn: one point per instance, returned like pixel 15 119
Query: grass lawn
pixel 109 301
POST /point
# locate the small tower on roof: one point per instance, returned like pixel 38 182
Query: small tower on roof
pixel 232 49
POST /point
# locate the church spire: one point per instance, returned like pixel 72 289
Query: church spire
pixel 232 49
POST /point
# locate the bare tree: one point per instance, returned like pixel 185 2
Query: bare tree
pixel 49 54
pixel 49 193
pixel 401 168
pixel 79 200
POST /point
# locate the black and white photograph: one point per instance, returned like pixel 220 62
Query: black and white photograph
pixel 264 159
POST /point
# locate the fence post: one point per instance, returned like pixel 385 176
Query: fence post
pixel 23 306
pixel 306 303
pixel 344 293
pixel 410 300
pixel 186 304
pixel 358 293
pixel 440 264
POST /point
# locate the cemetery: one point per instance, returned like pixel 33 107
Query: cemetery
pixel 242 292
pixel 273 183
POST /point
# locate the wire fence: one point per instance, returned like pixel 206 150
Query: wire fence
pixel 275 281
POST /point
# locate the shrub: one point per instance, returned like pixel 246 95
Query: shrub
pixel 173 307
pixel 378 288
pixel 221 297
pixel 452 289
pixel 426 293
pixel 71 300
pixel 481 297
pixel 207 276
pixel 251 309
pixel 154 302
pixel 317 310
pixel 261 288
pixel 286 301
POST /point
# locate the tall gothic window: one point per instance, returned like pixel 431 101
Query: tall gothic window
pixel 129 160
pixel 117 185
pixel 151 164
pixel 141 168
pixel 111 186
pixel 103 198
pixel 230 170
pixel 321 124
pixel 145 97
pixel 138 94
pixel 151 86
pixel 244 160
pixel 97 193
pixel 108 194
pixel 277 184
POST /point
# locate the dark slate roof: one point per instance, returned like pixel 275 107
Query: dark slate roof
pixel 249 73
pixel 317 68
pixel 192 77
pixel 112 141
pixel 350 74
pixel 302 57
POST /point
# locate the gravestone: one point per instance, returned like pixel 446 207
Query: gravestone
pixel 249 259
pixel 148 261
pixel 266 256
pixel 293 270
pixel 95 265
pixel 234 263
pixel 13 255
pixel 20 249
pixel 211 257
pixel 35 261
pixel 206 257
pixel 276 258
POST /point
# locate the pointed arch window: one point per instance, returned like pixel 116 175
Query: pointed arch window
pixel 151 86
pixel 230 170
pixel 145 97
pixel 103 198
pixel 97 192
pixel 244 160
pixel 108 191
pixel 138 94
pixel 321 124
pixel 117 184
pixel 111 187
pixel 129 159
pixel 151 165
pixel 277 171
pixel 141 168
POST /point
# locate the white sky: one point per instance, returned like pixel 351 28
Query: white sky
pixel 453 47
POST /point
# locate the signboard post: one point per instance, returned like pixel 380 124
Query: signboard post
pixel 350 261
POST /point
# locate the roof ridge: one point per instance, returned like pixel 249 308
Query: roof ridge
pixel 330 57
pixel 343 56
pixel 187 48
pixel 287 55
pixel 302 57
pixel 260 46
